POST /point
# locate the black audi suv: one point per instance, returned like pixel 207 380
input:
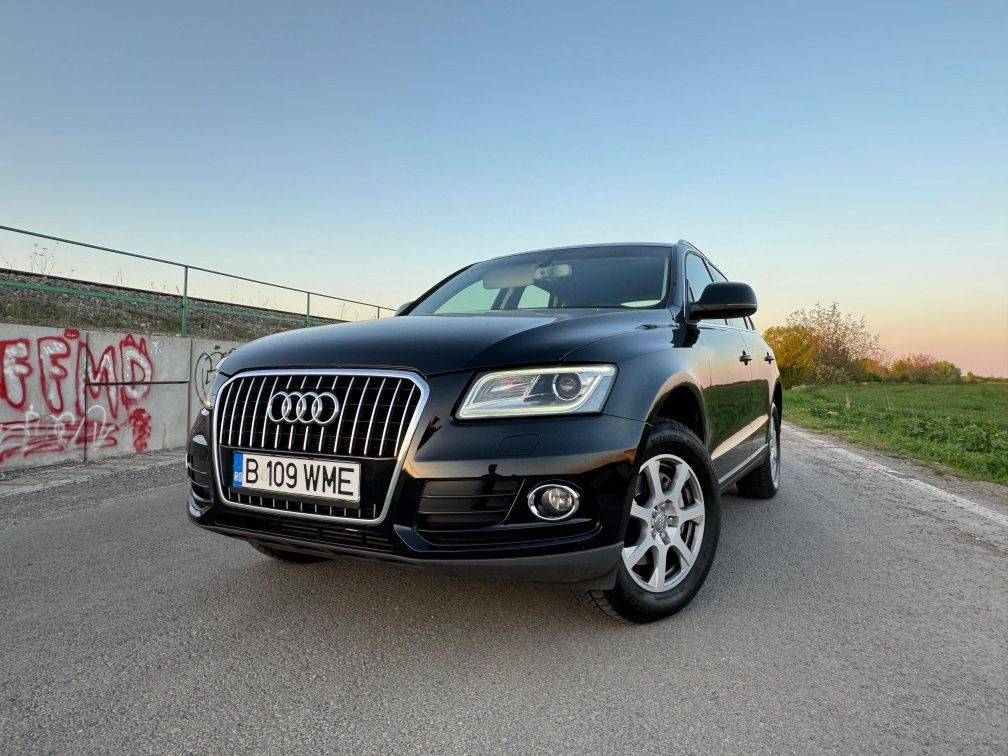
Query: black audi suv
pixel 568 415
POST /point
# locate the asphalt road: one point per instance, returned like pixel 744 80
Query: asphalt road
pixel 853 613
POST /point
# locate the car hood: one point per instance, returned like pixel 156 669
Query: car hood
pixel 440 344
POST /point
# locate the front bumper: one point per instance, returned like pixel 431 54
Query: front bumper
pixel 484 470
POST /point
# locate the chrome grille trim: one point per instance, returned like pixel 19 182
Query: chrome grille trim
pixel 381 449
pixel 353 428
pixel 339 423
pixel 374 408
pixel 321 438
pixel 265 423
pixel 423 400
pixel 231 395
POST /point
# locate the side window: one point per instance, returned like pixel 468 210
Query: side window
pixel 733 322
pixel 533 298
pixel 697 277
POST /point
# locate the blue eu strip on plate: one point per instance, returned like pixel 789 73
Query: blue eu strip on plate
pixel 239 461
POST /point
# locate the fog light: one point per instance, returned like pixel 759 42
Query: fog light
pixel 553 502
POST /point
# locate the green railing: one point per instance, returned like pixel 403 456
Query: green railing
pixel 186 306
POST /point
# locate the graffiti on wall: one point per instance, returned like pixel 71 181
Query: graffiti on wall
pixel 58 393
pixel 205 369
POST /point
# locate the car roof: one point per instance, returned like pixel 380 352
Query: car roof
pixel 570 247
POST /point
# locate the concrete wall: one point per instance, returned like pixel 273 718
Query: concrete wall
pixel 70 395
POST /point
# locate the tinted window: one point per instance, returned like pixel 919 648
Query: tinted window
pixel 697 276
pixel 533 298
pixel 473 298
pixel 586 277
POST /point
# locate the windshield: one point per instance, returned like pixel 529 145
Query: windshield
pixel 588 277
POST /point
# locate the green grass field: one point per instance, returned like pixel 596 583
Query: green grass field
pixel 960 429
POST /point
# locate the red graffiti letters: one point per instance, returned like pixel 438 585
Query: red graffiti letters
pixel 140 423
pixel 16 368
pixel 52 351
pixel 137 369
pixel 58 393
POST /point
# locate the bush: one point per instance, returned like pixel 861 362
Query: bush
pixel 822 345
pixel 871 370
pixel 923 368
pixel 794 348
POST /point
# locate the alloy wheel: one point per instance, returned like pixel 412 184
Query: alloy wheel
pixel 666 524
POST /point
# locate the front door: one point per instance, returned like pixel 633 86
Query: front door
pixel 754 353
pixel 729 396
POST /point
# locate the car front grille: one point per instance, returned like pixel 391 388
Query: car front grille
pixel 377 415
pixel 374 413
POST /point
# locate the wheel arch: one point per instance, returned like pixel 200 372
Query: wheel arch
pixel 680 399
pixel 682 402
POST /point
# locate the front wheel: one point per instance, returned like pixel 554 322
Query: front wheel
pixel 672 534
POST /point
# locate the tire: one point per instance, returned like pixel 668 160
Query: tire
pixel 764 481
pixel 682 523
pixel 294 557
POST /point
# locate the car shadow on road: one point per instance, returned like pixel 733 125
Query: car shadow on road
pixel 349 597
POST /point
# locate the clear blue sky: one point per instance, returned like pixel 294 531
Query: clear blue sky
pixel 855 152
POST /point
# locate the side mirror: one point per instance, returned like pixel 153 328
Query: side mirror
pixel 403 306
pixel 724 299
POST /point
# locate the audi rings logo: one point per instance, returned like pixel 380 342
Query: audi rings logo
pixel 308 407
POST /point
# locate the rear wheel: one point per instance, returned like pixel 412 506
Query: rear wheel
pixel 764 481
pixel 672 534
pixel 295 557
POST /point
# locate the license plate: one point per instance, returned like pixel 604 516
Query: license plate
pixel 295 477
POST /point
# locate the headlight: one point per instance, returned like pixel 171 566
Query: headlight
pixel 219 380
pixel 539 391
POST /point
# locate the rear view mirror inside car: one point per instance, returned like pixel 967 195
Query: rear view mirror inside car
pixel 553 272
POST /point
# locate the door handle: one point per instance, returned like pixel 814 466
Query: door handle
pixel 769 357
pixel 745 357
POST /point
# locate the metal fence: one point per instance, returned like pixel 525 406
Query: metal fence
pixel 46 280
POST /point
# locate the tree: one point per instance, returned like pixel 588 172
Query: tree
pixel 794 349
pixel 821 345
pixel 825 346
pixel 944 371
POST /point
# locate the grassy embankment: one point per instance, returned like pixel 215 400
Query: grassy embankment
pixel 158 312
pixel 960 429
